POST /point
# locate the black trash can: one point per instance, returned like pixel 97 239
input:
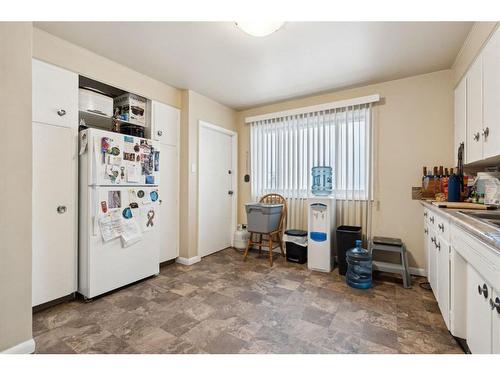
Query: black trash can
pixel 346 239
pixel 296 246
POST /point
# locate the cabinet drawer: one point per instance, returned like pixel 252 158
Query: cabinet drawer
pixel 442 228
pixel 482 257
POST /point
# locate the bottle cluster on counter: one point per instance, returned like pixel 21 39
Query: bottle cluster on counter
pixel 443 184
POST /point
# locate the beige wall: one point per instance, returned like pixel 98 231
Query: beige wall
pixel 413 127
pixel 57 51
pixel 15 197
pixel 195 107
pixel 478 35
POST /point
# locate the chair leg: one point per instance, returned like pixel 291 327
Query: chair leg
pixel 260 244
pixel 249 244
pixel 280 239
pixel 271 250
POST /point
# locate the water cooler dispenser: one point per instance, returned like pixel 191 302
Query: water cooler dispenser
pixel 321 222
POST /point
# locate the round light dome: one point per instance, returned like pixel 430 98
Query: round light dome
pixel 259 28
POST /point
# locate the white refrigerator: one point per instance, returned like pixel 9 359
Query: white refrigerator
pixel 119 238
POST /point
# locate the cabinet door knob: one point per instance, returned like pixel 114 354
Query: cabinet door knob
pixel 495 305
pixel 160 133
pixel 476 136
pixel 441 227
pixel 425 214
pixel 426 231
pixel 61 209
pixel 61 112
pixel 486 132
pixel 483 290
pixel 438 246
pixel 432 219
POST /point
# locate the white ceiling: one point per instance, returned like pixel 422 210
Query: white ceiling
pixel 218 60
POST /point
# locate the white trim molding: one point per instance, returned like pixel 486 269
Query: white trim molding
pixel 26 347
pixel 188 261
pixel 315 108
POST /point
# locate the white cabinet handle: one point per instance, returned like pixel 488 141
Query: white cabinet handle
pixel 61 112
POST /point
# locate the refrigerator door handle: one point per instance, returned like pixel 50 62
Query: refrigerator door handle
pixel 93 201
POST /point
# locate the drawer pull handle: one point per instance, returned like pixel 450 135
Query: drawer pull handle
pixel 61 112
pixel 425 214
pixel 483 290
pixel 495 305
pixel 61 209
pixel 426 231
pixel 441 226
pixel 432 219
pixel 438 245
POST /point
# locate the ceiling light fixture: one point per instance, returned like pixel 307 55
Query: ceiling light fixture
pixel 259 28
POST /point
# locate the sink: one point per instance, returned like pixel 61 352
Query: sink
pixel 491 218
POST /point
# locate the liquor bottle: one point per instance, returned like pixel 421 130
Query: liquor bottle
pixel 436 181
pixel 444 183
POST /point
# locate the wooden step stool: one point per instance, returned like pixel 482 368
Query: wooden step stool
pixel 394 245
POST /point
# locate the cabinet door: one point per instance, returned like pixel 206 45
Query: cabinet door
pixel 496 322
pixel 491 97
pixel 460 116
pixel 433 260
pixel 426 246
pixel 169 202
pixel 54 212
pixel 54 95
pixel 165 123
pixel 478 314
pixel 474 94
pixel 443 278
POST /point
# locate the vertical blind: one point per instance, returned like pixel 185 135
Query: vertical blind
pixel 284 150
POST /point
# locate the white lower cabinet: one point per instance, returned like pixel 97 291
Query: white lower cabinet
pixel 433 262
pixel 54 218
pixel 443 279
pixel 495 301
pixel 479 330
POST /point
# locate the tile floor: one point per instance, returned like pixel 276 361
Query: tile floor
pixel 225 305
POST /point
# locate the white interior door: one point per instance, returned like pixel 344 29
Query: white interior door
pixel 215 190
pixel 54 210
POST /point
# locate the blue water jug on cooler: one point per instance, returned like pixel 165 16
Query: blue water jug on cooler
pixel 322 180
pixel 359 267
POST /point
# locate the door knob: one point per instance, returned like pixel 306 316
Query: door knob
pixel 160 133
pixel 61 112
pixel 61 209
pixel 230 192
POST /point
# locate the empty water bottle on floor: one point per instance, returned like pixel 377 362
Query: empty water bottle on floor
pixel 359 267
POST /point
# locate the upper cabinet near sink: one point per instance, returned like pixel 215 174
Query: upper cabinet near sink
pixel 491 97
pixel 477 105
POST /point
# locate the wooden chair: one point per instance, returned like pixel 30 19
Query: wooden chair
pixel 277 235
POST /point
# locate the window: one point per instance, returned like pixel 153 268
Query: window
pixel 284 149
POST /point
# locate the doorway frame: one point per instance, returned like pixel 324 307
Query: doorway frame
pixel 234 179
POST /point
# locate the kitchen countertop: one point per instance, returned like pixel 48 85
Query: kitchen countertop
pixel 485 233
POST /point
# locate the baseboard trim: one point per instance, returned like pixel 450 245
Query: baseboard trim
pixel 386 268
pixel 26 347
pixel 188 261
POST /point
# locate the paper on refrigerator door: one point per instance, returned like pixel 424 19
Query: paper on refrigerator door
pixel 110 225
pixel 134 172
pixel 131 233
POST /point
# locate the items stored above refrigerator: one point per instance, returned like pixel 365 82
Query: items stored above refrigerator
pixel 109 108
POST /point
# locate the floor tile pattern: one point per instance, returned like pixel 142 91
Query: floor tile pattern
pixel 225 305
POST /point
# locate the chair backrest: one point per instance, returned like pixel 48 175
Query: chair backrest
pixel 274 198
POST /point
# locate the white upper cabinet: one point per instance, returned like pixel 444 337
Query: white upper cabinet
pixel 491 97
pixel 460 116
pixel 54 95
pixel 474 112
pixel 165 123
